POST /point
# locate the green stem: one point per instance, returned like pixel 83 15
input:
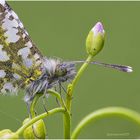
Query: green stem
pixel 33 104
pixel 67 115
pixel 106 112
pixel 73 84
pixel 57 95
pixel 35 119
pixel 67 124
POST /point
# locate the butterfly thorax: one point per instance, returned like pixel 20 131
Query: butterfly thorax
pixel 54 72
pixel 59 71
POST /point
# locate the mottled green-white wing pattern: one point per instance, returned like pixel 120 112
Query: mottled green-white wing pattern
pixel 20 60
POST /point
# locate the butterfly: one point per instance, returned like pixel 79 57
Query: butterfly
pixel 22 65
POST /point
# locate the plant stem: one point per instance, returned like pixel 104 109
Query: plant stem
pixel 72 85
pixel 106 112
pixel 67 115
pixel 35 119
pixel 67 124
pixel 33 104
pixel 57 95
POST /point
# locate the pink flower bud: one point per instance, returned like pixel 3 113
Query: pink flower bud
pixel 95 39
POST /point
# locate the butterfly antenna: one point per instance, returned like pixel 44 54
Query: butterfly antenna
pixel 122 68
pixel 60 91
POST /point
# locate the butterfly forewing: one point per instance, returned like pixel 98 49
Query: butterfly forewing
pixel 20 60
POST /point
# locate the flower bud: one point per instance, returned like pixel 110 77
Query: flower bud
pixel 37 130
pixel 8 134
pixel 95 39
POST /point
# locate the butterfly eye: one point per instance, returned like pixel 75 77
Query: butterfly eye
pixel 64 71
pixel 61 71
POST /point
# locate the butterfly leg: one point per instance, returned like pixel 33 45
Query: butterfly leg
pixel 60 91
pixel 28 109
pixel 63 88
pixel 55 89
pixel 65 93
pixel 58 102
pixel 44 103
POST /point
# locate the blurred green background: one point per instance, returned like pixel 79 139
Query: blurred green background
pixel 59 29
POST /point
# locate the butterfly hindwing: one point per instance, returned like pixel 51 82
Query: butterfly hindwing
pixel 20 60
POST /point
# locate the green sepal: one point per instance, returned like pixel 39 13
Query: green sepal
pixel 37 130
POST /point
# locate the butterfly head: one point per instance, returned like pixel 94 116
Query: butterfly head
pixel 58 70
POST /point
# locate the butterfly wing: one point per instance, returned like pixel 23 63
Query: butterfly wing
pixel 20 60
